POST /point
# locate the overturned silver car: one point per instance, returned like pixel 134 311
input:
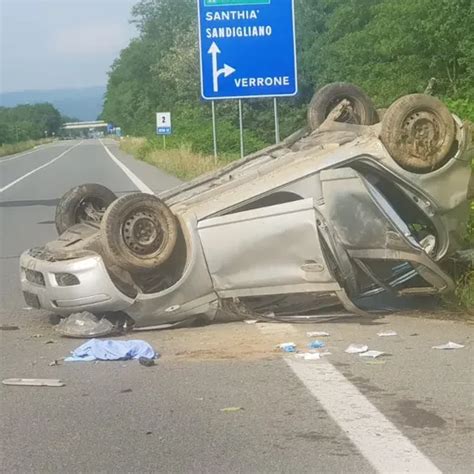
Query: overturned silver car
pixel 352 206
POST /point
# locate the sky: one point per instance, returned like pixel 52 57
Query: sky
pixel 55 44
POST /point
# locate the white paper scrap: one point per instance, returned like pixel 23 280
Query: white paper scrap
pixel 357 348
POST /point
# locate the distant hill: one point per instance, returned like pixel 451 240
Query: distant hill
pixel 84 103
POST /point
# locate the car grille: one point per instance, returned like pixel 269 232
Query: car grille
pixel 34 277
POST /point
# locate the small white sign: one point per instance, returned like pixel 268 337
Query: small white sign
pixel 163 123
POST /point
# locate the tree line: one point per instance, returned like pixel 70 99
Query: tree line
pixel 28 122
pixel 388 47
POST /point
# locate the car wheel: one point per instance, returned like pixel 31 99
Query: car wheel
pixel 85 203
pixel 419 132
pixel 138 232
pixel 361 111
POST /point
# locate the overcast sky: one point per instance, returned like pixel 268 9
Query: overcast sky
pixel 50 44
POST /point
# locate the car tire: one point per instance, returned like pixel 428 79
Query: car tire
pixel 138 232
pixel 419 132
pixel 85 203
pixel 329 96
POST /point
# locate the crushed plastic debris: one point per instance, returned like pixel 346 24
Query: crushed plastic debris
pixel 287 346
pixel 35 382
pixel 388 333
pixel 85 324
pixel 231 409
pixel 317 334
pixel 251 321
pixel 371 354
pixel 448 346
pixel 97 349
pixel 356 348
pixel 316 344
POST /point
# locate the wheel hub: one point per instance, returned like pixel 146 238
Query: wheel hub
pixel 422 134
pixel 142 233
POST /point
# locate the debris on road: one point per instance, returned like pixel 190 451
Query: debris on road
pixel 53 363
pixel 8 327
pixel 371 354
pixel 388 333
pixel 35 382
pixel 287 347
pixel 96 349
pixel 127 390
pixel 251 321
pixel 448 346
pixel 316 344
pixel 357 348
pixel 317 334
pixel 231 409
pixel 145 361
pixel 85 324
pixel 49 341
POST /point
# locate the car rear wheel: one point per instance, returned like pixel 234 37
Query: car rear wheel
pixel 361 110
pixel 138 232
pixel 419 132
pixel 85 203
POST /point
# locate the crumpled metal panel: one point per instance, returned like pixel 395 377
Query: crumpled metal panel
pixel 268 247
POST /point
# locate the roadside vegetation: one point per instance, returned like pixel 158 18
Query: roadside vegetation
pixel 23 123
pixel 12 148
pixel 181 162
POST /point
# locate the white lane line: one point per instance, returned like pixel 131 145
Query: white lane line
pixel 131 176
pixel 379 441
pixel 21 178
pixel 4 160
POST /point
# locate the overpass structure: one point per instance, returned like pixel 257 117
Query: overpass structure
pixel 84 125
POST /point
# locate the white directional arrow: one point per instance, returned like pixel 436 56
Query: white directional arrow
pixel 226 70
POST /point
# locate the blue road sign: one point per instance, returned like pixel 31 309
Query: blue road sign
pixel 247 48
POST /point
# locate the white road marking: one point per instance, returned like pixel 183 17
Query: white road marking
pixel 4 160
pixel 379 441
pixel 131 176
pixel 21 178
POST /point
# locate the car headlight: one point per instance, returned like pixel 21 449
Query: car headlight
pixel 66 279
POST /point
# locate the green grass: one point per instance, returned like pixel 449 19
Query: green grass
pixel 12 148
pixel 180 162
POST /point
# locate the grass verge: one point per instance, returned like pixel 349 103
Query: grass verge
pixel 12 148
pixel 180 162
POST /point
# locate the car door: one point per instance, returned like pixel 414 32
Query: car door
pixel 264 251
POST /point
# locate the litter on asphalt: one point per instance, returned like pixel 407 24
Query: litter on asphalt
pixel 317 334
pixel 251 321
pixel 449 345
pixel 371 354
pixel 311 355
pixel 287 346
pixel 387 333
pixel 316 344
pixel 98 349
pixel 357 348
pixel 146 361
pixel 35 382
pixel 231 409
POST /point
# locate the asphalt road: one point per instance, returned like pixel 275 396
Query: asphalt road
pixel 410 411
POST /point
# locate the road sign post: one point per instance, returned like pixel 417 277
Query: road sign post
pixel 163 125
pixel 247 50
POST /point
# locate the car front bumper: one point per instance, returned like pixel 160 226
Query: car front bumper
pixel 69 286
